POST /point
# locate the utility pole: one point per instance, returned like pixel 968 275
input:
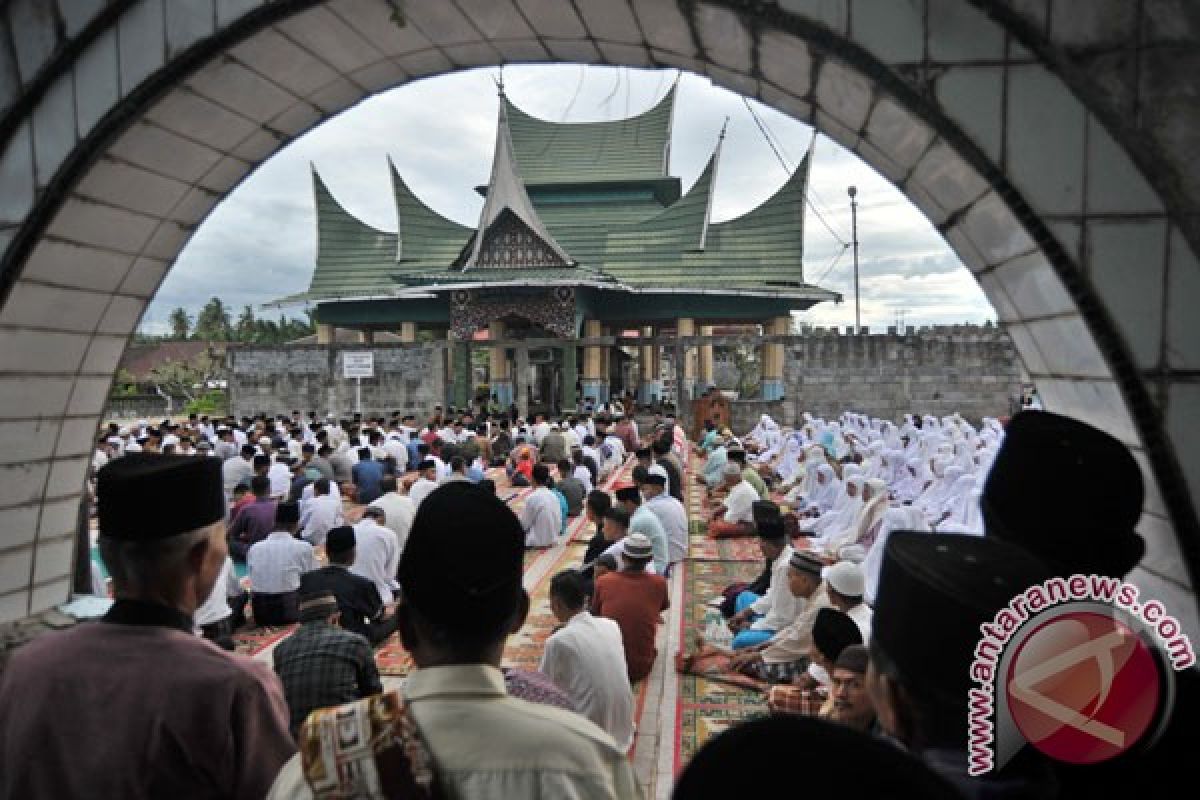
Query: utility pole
pixel 854 238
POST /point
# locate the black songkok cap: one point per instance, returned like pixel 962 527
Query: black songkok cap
pixel 339 539
pixel 772 529
pixel 1046 457
pixel 853 764
pixel 934 593
pixel 462 563
pixel 656 479
pixel 764 509
pixel 287 514
pixel 833 631
pixel 629 493
pixel 151 496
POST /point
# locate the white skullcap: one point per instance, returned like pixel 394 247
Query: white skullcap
pixel 845 578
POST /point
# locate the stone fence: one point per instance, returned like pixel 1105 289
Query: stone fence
pixel 409 377
pixel 969 369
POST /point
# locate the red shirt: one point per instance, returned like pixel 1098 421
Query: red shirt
pixel 633 600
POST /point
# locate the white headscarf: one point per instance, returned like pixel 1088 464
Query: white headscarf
pixel 828 488
pixel 901 518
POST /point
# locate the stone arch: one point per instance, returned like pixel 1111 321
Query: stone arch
pixel 125 122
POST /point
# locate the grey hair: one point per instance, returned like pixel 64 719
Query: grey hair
pixel 137 564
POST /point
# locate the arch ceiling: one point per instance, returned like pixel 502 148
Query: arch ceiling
pixel 1062 182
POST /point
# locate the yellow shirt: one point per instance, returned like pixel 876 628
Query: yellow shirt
pixel 489 745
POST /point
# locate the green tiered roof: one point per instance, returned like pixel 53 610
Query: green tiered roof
pixel 593 205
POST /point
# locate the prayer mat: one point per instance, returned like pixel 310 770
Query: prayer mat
pixel 706 705
pixel 741 548
pixel 392 659
pixel 524 648
pixel 252 641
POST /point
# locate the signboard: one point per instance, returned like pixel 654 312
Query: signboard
pixel 358 365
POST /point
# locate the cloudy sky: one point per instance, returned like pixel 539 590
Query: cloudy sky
pixel 260 243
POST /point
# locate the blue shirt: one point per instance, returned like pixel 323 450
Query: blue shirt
pixel 367 475
pixel 414 457
pixel 474 474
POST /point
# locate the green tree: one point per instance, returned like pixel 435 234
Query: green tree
pixel 180 322
pixel 213 323
pixel 186 378
pixel 245 325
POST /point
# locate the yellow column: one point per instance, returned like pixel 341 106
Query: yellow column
pixel 647 368
pixel 408 332
pixel 705 358
pixel 595 378
pixel 685 373
pixel 772 377
pixel 324 333
pixel 498 374
pixel 366 337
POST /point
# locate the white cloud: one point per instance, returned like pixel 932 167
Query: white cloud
pixel 260 242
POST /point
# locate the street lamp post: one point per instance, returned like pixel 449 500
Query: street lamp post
pixel 854 238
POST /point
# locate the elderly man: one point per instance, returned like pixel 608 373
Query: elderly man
pixel 362 611
pixel 475 740
pixel 138 706
pixel 398 508
pixel 275 566
pixel 378 552
pixel 542 515
pixel 322 513
pixel 644 521
pixel 848 689
pixel 320 664
pixel 670 513
pixel 585 657
pixel 759 617
pixel 734 516
pixel 634 598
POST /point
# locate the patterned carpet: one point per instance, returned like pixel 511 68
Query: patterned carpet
pixel 707 707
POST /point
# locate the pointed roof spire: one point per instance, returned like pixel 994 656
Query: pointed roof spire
pixel 506 190
pixel 716 161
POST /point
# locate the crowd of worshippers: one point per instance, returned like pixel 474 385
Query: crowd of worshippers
pixel 287 479
pixel 877 667
pixel 886 547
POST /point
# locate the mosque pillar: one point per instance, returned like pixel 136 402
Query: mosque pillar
pixel 521 381
pixel 324 333
pixel 650 383
pixel 408 332
pixel 772 369
pixel 595 374
pixel 704 365
pixel 498 373
pixel 568 401
pixel 685 367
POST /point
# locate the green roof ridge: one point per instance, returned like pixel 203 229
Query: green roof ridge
pixel 578 152
pixel 423 233
pixel 345 242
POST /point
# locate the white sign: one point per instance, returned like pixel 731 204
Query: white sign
pixel 358 365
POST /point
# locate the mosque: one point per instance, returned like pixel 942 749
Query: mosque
pixel 584 233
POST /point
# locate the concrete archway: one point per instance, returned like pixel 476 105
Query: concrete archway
pixel 125 122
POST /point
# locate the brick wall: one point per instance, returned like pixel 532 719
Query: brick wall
pixel 940 370
pixel 409 377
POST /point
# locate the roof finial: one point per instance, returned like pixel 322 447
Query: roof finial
pixel 724 126
pixel 500 82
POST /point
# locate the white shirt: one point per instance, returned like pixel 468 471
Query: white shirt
pixel 399 511
pixel 739 503
pixel 539 432
pixel 321 514
pixel 673 516
pixel 541 518
pixel 277 562
pixel 584 476
pixel 216 607
pixel 778 606
pixel 420 490
pixel 281 479
pixel 586 659
pixel 376 557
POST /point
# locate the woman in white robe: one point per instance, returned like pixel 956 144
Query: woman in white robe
pixel 845 509
pixel 901 518
pixel 875 503
pixel 829 488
